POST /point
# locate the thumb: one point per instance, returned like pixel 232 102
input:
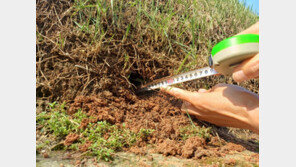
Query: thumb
pixel 247 70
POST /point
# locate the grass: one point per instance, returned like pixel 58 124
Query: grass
pixel 142 35
pixel 191 131
pixel 105 138
pixel 191 26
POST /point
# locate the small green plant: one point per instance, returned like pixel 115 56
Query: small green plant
pixel 52 105
pixel 39 147
pixel 61 125
pixel 105 138
pixel 42 118
pixel 190 131
pixel 79 116
pixel 144 133
pixel 74 147
pixel 61 42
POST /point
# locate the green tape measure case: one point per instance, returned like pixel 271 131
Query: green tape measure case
pixel 232 51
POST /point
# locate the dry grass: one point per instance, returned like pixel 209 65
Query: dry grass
pixel 87 46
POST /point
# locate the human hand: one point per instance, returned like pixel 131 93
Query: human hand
pixel 249 68
pixel 223 105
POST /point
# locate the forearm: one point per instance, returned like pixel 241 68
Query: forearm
pixel 245 120
pixel 254 120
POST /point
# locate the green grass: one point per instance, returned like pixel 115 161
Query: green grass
pixel 188 29
pixel 191 131
pixel 57 123
pixel 151 38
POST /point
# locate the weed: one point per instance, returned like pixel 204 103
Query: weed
pixel 61 125
pixel 39 147
pixel 52 105
pixel 144 133
pixel 190 131
pixel 41 118
pixel 61 42
pixel 74 147
pixel 106 138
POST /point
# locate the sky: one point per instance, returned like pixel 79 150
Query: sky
pixel 252 3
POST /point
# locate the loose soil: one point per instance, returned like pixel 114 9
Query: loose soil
pixel 156 111
pixel 72 137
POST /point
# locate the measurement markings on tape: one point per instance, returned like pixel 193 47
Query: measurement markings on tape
pixel 188 76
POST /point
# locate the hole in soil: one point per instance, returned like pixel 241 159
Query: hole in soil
pixel 136 79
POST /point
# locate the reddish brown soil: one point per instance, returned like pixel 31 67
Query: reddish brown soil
pixel 156 111
pixel 44 154
pixel 169 147
pixel 71 138
pixel 191 146
pixel 85 146
pixel 230 147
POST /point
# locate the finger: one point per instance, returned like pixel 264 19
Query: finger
pixel 219 86
pixel 191 110
pixel 247 70
pixel 179 93
pixel 202 91
pixel 188 107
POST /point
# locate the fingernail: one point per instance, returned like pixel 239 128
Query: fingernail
pixel 202 90
pixel 239 76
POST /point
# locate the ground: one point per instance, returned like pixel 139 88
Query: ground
pixel 91 57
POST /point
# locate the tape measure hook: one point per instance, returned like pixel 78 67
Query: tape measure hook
pixel 210 61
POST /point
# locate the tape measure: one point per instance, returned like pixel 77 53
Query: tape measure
pixel 226 55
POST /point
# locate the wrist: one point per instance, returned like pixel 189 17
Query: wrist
pixel 254 120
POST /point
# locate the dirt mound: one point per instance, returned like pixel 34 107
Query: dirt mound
pixel 191 145
pixel 169 147
pixel 156 111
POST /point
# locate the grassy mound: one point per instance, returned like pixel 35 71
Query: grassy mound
pixel 86 46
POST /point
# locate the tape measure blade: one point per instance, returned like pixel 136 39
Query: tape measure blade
pixel 180 78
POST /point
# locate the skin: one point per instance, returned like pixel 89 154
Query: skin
pixel 249 68
pixel 226 105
